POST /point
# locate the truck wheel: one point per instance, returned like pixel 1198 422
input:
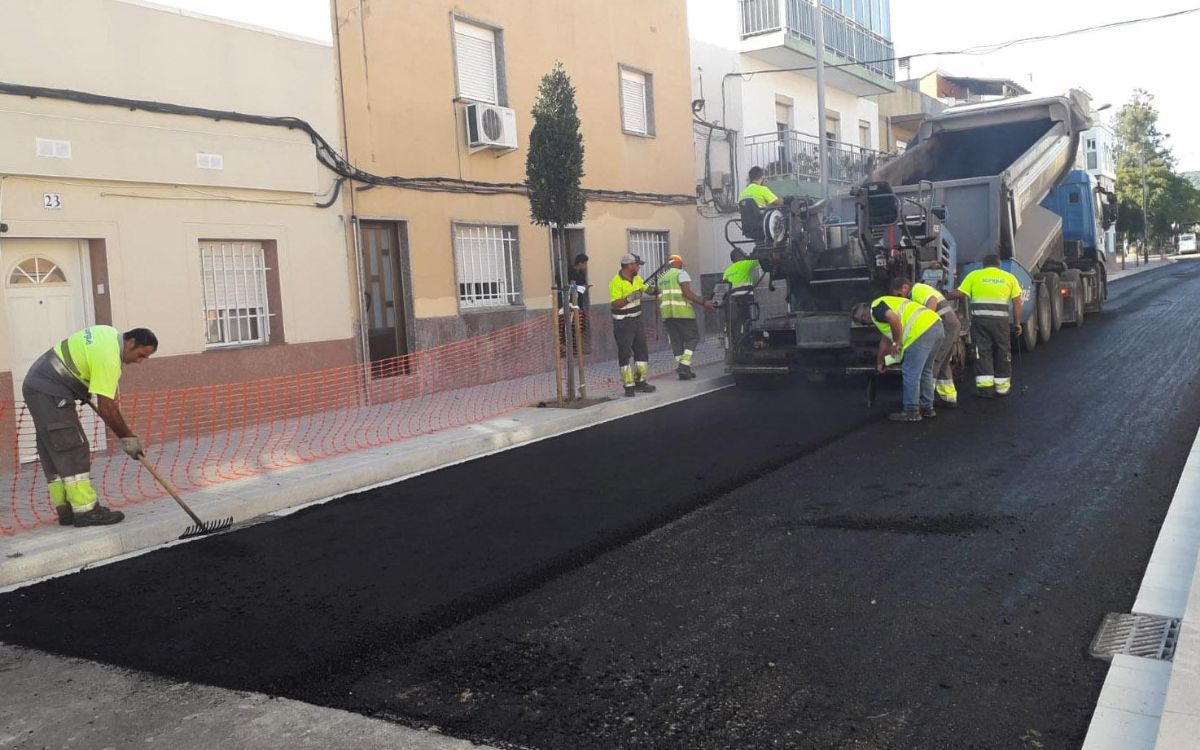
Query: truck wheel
pixel 1073 277
pixel 1029 333
pixel 1044 312
pixel 1052 283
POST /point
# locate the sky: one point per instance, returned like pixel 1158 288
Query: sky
pixel 1159 56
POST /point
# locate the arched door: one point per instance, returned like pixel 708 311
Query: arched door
pixel 44 301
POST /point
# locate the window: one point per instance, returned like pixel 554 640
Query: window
pixel 864 134
pixel 477 61
pixel 209 161
pixel 234 281
pixel 49 148
pixel 486 263
pixel 36 271
pixel 637 102
pixel 651 246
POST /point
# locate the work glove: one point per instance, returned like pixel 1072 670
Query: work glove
pixel 132 446
pixel 633 297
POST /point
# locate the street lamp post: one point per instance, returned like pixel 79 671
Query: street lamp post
pixel 1145 221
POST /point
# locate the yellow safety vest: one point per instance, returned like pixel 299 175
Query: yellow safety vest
pixel 672 302
pixel 915 318
pixel 618 288
pixel 990 290
pixel 741 276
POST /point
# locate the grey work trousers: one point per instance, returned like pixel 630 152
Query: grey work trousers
pixel 993 347
pixel 62 445
pixel 631 340
pixel 941 359
pixel 684 333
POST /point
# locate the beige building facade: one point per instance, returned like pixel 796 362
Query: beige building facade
pixel 443 90
pixel 205 230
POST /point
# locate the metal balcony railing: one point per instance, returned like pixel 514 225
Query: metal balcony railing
pixel 843 37
pixel 794 155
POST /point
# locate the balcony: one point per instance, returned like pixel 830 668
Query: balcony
pixel 790 160
pixel 781 34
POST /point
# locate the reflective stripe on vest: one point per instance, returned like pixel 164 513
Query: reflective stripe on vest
pixel 922 292
pixel 913 318
pixel 628 311
pixel 990 290
pixel 671 299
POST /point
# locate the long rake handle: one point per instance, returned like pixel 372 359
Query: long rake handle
pixel 170 490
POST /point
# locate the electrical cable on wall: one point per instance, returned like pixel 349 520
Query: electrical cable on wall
pixel 329 157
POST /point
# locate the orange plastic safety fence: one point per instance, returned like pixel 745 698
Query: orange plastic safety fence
pixel 206 435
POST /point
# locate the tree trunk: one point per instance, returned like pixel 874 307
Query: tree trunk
pixel 564 297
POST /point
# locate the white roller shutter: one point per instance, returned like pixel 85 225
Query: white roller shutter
pixel 633 102
pixel 475 47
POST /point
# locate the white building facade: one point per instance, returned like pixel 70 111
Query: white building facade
pixel 1097 155
pixel 769 119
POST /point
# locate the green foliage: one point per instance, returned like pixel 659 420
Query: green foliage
pixel 554 164
pixel 1146 167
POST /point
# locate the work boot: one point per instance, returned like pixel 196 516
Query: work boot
pixel 947 404
pixel 644 387
pixel 66 516
pixel 630 391
pixel 928 413
pixel 682 371
pixel 98 516
pixel 986 393
pixel 908 415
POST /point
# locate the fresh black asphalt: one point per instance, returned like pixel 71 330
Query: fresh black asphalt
pixel 743 570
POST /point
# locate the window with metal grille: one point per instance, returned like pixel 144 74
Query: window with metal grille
pixel 475 52
pixel 234 280
pixel 651 246
pixel 487 265
pixel 637 102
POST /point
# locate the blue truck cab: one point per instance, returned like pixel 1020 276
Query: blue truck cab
pixel 1077 202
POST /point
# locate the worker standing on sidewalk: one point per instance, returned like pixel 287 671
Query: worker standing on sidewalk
pixel 943 372
pixel 625 293
pixel 84 364
pixel 990 290
pixel 913 334
pixel 679 317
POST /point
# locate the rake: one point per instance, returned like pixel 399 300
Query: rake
pixel 200 528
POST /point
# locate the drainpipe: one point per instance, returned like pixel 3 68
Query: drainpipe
pixel 364 351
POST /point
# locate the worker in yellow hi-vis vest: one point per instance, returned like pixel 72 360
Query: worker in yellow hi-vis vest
pixel 625 293
pixel 943 373
pixel 87 363
pixel 991 290
pixel 676 300
pixel 911 333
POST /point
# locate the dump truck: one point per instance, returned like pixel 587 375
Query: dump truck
pixel 977 180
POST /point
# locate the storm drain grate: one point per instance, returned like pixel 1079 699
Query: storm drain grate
pixel 1148 636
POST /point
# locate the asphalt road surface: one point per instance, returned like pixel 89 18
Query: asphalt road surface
pixel 781 569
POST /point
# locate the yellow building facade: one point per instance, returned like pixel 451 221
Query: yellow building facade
pixel 434 89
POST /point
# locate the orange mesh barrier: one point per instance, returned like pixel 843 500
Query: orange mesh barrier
pixel 206 435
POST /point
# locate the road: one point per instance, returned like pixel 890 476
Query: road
pixel 744 570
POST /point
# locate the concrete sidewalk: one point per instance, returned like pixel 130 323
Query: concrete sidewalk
pixel 1149 704
pixel 52 550
pixel 1133 268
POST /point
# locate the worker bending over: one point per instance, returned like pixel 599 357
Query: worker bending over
pixel 990 290
pixel 625 293
pixel 912 333
pixel 943 372
pixel 87 363
pixel 679 317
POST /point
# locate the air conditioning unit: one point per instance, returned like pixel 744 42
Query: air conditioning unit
pixel 489 126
